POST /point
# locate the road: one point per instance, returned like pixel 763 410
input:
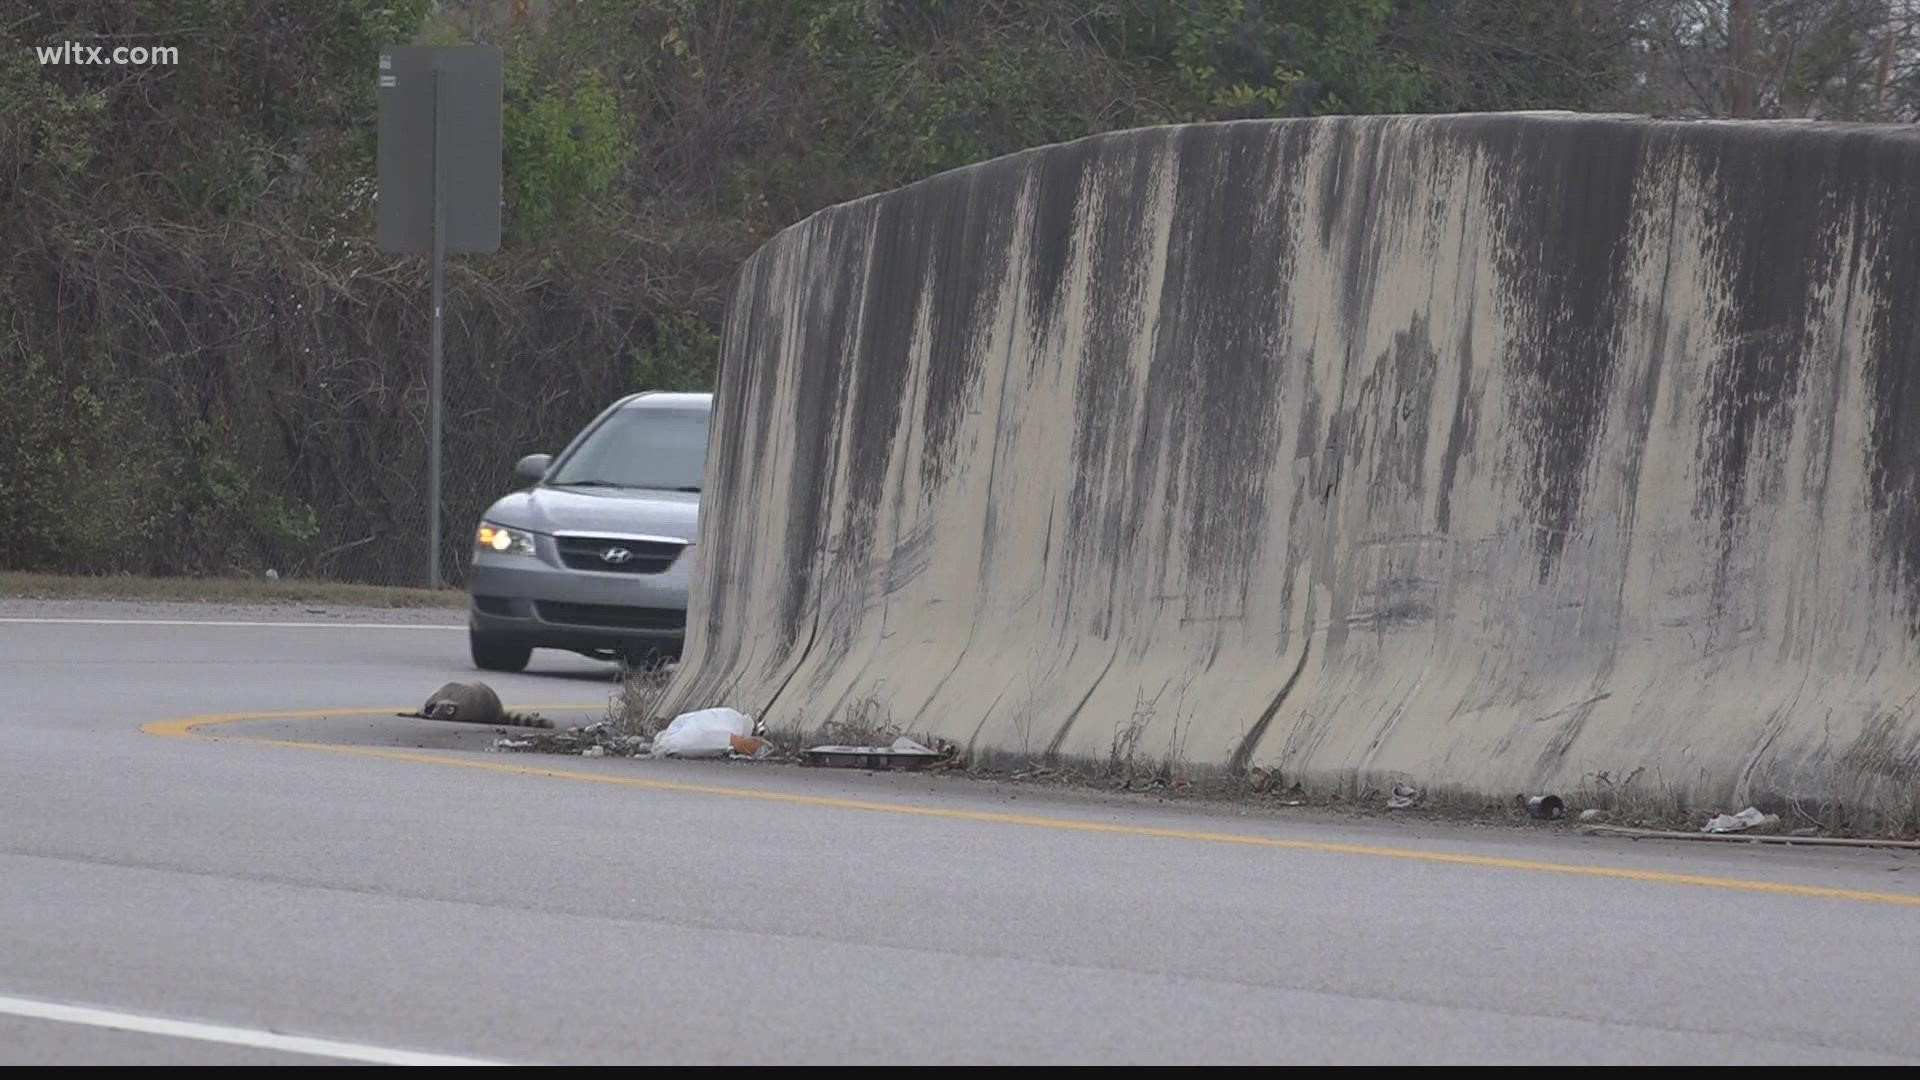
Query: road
pixel 212 894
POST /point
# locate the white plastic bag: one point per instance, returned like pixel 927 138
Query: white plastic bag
pixel 705 733
pixel 1750 818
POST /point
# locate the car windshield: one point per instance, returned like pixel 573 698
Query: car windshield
pixel 640 448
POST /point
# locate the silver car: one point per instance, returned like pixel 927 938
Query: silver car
pixel 593 557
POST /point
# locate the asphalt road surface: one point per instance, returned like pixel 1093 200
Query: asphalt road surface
pixel 342 885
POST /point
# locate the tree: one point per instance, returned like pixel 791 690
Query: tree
pixel 1823 59
pixel 1477 55
pixel 200 337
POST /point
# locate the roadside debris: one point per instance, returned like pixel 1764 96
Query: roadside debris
pixel 1627 832
pixel 1405 797
pixel 1546 807
pixel 1744 821
pixel 904 753
pixel 1593 813
pixel 749 746
pixel 599 739
pixel 474 703
pixel 709 733
pixel 1268 782
pixel 1158 781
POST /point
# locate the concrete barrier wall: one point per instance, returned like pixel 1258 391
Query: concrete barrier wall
pixel 1506 453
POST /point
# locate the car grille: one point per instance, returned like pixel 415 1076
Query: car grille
pixel 612 615
pixel 643 556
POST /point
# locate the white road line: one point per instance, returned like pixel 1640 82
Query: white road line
pixel 232 1036
pixel 234 622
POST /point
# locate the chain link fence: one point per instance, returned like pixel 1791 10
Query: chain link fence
pixel 377 523
pixel 286 429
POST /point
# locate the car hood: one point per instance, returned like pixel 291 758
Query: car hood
pixel 601 510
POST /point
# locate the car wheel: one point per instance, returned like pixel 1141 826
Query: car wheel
pixel 492 653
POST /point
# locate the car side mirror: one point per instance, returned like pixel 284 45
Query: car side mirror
pixel 532 468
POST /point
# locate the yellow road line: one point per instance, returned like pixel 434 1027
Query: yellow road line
pixel 188 727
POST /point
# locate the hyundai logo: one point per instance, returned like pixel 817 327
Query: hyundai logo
pixel 615 555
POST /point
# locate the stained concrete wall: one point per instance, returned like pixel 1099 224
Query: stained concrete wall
pixel 1501 452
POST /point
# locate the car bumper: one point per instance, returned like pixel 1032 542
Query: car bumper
pixel 537 600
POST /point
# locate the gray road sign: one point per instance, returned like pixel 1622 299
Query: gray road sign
pixel 459 86
pixel 439 166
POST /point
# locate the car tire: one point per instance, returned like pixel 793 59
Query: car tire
pixel 492 653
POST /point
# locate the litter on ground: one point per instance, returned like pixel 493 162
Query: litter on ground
pixel 903 753
pixel 707 733
pixel 1748 819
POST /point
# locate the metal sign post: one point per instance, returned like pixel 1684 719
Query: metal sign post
pixel 434 395
pixel 439 166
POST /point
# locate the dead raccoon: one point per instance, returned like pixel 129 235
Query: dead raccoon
pixel 475 703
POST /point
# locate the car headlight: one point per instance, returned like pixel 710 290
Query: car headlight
pixel 502 541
